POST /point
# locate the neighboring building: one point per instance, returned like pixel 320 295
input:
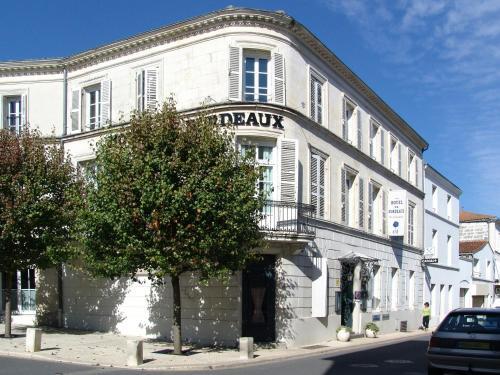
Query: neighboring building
pixel 333 152
pixel 480 238
pixel 441 257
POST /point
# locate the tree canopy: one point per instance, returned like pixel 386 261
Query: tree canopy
pixel 168 195
pixel 37 184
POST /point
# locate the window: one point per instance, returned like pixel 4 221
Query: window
pixel 351 123
pixel 448 207
pixel 375 287
pixel 348 213
pixel 90 106
pixel 434 198
pixel 449 252
pixel 265 154
pixel 412 172
pixel 256 76
pixel 14 109
pixel 411 223
pixel 411 293
pixel 374 207
pixel 394 155
pixel 374 140
pixel 317 98
pixel 394 288
pixel 318 183
pixel 435 243
pixel 88 170
pixel 23 290
pixel 147 89
pixel 382 146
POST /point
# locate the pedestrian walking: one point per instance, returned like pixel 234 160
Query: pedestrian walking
pixel 426 316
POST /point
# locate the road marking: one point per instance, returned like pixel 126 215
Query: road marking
pixel 398 361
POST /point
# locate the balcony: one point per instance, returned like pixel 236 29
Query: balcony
pixel 288 221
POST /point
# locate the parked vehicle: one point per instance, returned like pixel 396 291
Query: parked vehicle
pixel 467 340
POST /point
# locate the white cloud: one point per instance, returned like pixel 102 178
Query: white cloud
pixel 448 54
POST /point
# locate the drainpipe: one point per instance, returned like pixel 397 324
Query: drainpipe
pixel 60 301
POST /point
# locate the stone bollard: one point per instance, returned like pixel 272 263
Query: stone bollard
pixel 33 340
pixel 134 353
pixel 246 347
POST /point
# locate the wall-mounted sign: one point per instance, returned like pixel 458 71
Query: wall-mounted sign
pixel 260 119
pixel 429 260
pixel 396 213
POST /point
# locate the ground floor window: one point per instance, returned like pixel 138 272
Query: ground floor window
pixel 23 290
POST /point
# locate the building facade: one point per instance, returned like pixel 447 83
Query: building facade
pixel 480 244
pixel 441 264
pixel 331 150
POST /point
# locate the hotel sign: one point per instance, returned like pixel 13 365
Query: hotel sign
pixel 260 119
pixel 396 213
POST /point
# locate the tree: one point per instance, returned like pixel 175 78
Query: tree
pixel 36 213
pixel 170 195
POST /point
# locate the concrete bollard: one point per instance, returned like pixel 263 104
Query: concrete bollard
pixel 134 353
pixel 33 340
pixel 246 347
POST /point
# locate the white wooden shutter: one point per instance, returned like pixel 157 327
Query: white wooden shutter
pixel 279 79
pixel 318 184
pixel 370 206
pixel 314 181
pixel 400 160
pixel 384 212
pixel 417 171
pixel 344 121
pixel 151 89
pixel 234 73
pixel 24 112
pixel 361 206
pixel 105 102
pixel 382 146
pixel 321 187
pixel 75 110
pixel 139 91
pixel 288 170
pixel 344 203
pixel 313 98
pixel 319 286
pixel 360 130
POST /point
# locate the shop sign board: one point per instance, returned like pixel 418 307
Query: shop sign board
pixel 396 213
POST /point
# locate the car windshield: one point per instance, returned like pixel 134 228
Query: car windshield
pixel 471 323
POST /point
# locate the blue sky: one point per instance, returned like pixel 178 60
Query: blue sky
pixel 436 62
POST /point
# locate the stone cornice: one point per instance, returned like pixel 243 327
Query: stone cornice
pixel 228 17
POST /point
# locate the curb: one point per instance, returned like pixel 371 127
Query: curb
pixel 227 365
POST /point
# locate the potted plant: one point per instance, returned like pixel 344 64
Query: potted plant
pixel 344 333
pixel 371 330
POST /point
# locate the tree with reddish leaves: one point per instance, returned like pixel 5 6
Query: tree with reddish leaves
pixel 37 184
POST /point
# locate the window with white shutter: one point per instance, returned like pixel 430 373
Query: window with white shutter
pixel 360 129
pixel 288 170
pixel 411 223
pixel 279 79
pixel 348 206
pixel 14 113
pixel 234 73
pixel 147 89
pixel 105 102
pixel 316 91
pixel 382 146
pixel 256 76
pixel 384 212
pixel 370 206
pixel 344 207
pixel 400 159
pixel 318 183
pixel 361 203
pixel 350 122
pixel 75 110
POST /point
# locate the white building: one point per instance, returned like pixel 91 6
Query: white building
pixel 443 274
pixel 333 152
pixel 480 243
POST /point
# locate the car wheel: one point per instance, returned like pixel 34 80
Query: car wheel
pixel 434 371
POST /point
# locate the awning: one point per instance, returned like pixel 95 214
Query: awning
pixel 354 257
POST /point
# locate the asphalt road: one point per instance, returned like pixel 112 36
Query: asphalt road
pixel 401 358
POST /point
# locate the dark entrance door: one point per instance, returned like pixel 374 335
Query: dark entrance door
pixel 346 290
pixel 259 298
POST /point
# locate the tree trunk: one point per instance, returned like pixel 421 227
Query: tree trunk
pixel 176 327
pixel 8 304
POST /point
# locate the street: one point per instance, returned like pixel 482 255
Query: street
pixel 396 358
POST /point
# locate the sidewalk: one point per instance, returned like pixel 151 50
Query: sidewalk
pixel 107 349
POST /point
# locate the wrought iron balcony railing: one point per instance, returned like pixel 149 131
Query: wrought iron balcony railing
pixel 287 218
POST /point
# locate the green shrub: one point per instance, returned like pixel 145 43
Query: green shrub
pixel 372 326
pixel 348 329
